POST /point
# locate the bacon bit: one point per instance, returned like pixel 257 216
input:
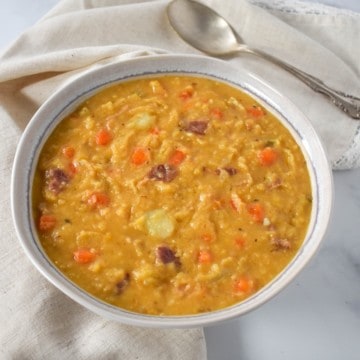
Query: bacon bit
pixel 163 172
pixel 98 199
pixel 122 285
pixel 230 170
pixel 47 222
pixel 165 255
pixel 281 244
pixel 197 127
pixel 56 179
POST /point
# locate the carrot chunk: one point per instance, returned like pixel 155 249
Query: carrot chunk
pixel 256 211
pixel 103 137
pixel 244 284
pixel 267 156
pixel 47 222
pixel 187 93
pixel 84 256
pixel 204 257
pixel 217 113
pixel 140 156
pixel 177 157
pixel 98 199
pixel 240 241
pixel 255 111
pixel 68 152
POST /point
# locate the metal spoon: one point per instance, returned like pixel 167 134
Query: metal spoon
pixel 207 31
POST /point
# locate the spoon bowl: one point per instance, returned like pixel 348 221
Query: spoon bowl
pixel 194 21
pixel 207 31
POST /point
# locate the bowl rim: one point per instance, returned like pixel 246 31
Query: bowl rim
pixel 74 92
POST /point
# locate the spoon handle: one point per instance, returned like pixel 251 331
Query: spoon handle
pixel 347 103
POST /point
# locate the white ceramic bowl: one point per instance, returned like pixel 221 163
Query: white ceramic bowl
pixel 66 99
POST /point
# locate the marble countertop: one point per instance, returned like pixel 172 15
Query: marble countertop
pixel 318 315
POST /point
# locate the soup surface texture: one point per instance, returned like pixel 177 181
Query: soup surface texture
pixel 171 195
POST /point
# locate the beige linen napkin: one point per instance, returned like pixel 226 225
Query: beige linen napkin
pixel 38 321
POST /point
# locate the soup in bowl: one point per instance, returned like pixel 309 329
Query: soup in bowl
pixel 170 191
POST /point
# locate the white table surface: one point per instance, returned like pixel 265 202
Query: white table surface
pixel 318 316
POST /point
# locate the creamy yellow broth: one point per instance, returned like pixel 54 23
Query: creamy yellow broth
pixel 171 195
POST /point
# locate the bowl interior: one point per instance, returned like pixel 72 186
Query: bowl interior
pixel 69 97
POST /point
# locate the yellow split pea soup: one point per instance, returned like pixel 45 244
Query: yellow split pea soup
pixel 171 195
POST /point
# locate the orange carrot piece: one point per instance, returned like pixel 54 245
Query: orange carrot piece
pixel 68 152
pixel 103 137
pixel 204 257
pixel 99 199
pixel 139 156
pixel 187 93
pixel 267 156
pixel 240 241
pixel 256 211
pixel 177 157
pixel 216 112
pixel 47 222
pixel 244 284
pixel 255 111
pixel 84 256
